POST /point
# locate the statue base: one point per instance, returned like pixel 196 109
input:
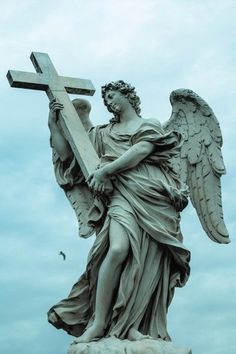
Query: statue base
pixel 114 345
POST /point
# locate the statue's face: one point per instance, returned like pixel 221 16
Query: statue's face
pixel 116 102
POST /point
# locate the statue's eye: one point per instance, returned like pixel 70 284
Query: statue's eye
pixel 110 96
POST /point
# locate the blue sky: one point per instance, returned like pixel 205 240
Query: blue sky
pixel 158 46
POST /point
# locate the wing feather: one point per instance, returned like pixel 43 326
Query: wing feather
pixel 71 180
pixel 200 163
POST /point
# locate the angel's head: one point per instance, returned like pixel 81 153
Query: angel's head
pixel 116 95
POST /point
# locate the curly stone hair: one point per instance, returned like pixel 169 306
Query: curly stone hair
pixel 125 89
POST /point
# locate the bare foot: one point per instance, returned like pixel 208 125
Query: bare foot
pixel 134 335
pixel 92 333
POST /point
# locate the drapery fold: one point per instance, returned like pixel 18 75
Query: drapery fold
pixel 146 202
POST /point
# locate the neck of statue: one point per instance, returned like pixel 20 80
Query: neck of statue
pixel 128 115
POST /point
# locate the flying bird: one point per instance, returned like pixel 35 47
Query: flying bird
pixel 63 255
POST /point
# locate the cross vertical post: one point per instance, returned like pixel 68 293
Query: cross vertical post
pixel 57 87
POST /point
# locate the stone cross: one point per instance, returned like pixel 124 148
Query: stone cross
pixel 57 87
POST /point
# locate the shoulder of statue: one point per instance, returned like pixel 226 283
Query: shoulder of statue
pixel 98 127
pixel 152 121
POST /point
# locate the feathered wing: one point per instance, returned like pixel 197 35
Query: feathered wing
pixel 70 178
pixel 200 163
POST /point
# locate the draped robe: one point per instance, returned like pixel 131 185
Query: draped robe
pixel 146 201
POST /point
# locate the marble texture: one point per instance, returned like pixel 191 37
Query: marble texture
pixel 114 345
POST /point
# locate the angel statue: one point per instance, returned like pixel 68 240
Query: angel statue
pixel 138 256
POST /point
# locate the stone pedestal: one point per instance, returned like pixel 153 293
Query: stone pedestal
pixel 113 345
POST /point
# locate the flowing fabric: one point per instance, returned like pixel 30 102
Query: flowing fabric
pixel 147 201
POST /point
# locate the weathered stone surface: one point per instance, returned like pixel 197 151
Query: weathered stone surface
pixel 114 345
pixel 138 256
pixel 57 87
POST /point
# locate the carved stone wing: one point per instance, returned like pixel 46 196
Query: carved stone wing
pixel 71 180
pixel 200 163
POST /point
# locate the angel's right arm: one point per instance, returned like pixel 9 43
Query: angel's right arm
pixel 58 142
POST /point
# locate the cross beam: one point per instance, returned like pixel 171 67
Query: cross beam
pixel 57 87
